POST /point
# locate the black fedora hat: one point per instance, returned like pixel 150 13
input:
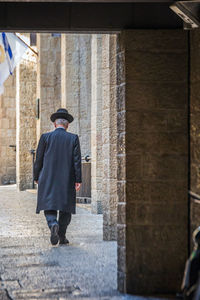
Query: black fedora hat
pixel 62 113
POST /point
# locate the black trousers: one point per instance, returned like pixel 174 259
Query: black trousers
pixel 63 220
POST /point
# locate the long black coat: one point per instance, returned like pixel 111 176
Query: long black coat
pixel 57 168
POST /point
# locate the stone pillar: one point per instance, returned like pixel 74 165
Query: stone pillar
pixel 121 166
pixel 109 137
pixel 25 121
pixel 195 126
pixel 48 79
pixel 96 124
pixel 76 85
pixel 8 132
pixel 70 78
pixel 153 127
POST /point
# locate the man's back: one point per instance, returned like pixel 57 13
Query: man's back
pixel 57 169
pixel 59 152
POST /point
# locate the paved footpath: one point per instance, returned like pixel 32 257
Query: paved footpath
pixel 30 268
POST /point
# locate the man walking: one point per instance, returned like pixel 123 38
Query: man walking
pixel 57 170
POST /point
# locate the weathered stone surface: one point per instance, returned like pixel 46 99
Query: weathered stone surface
pixel 76 85
pixel 153 67
pixel 155 160
pixel 121 213
pixel 121 252
pixel 8 132
pixel 162 41
pixel 152 169
pixel 109 136
pixel 194 128
pixel 48 79
pixel 163 94
pixel 121 125
pixel 96 123
pixel 121 168
pixel 143 191
pixel 26 120
pixel 159 143
pixel 120 94
pixel 121 235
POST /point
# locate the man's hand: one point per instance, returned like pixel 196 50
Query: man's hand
pixel 77 186
pixel 36 181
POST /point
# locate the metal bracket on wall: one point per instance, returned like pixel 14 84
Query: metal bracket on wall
pixel 86 158
pixel 189 12
pixel 13 146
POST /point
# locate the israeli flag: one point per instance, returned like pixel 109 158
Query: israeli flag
pixel 12 50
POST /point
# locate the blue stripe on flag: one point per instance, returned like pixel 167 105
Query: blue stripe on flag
pixel 8 52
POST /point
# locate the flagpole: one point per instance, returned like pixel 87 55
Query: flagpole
pixel 36 53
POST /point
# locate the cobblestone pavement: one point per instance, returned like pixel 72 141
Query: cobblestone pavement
pixel 30 268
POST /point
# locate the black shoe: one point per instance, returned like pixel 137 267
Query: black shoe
pixel 63 241
pixel 54 234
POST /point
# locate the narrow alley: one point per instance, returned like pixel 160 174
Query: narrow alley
pixel 30 268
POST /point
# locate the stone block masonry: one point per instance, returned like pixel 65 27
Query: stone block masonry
pixel 8 132
pixel 26 121
pixel 152 160
pixel 109 136
pixel 48 79
pixel 194 127
pixel 18 124
pixel 96 124
pixel 76 85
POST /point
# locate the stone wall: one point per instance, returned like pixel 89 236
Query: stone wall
pixel 96 124
pixel 8 132
pixel 152 221
pixel 76 85
pixel 26 120
pixel 109 137
pixel 121 165
pixel 195 126
pixel 48 79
